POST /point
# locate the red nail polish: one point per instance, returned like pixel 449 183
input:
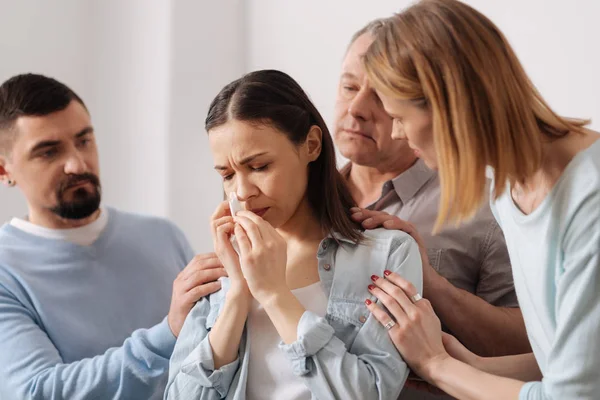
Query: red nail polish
pixel 371 287
pixel 374 278
pixel 368 302
pixel 387 273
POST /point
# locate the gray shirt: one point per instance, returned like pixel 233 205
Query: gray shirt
pixel 472 256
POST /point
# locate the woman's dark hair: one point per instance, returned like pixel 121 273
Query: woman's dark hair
pixel 274 98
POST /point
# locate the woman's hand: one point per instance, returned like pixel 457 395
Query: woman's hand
pixel 417 331
pixel 263 256
pixel 457 350
pixel 222 225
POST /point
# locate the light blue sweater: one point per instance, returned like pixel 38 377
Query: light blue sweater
pixel 555 255
pixel 88 321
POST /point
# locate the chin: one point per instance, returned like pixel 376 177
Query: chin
pixel 359 156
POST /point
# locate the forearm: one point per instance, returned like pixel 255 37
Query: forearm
pixel 485 329
pixel 285 312
pixel 465 382
pixel 523 367
pixel 370 368
pixel 226 334
pixel 122 370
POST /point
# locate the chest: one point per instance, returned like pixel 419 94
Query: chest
pixel 89 304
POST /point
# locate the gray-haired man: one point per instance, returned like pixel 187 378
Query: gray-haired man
pixel 467 276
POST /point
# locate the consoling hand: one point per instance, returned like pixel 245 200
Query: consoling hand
pixel 263 256
pixel 415 330
pixel 197 280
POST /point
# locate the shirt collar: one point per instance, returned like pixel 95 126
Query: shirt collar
pixel 407 184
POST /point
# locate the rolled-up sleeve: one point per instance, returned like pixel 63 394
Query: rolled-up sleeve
pixel 313 334
pixel 372 368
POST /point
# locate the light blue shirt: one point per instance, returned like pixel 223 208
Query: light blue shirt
pixel 346 355
pixel 555 255
pixel 88 322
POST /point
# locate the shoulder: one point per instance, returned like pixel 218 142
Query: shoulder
pixel 385 237
pixel 146 224
pixel 134 220
pixel 385 246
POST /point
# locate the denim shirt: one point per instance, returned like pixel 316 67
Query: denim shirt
pixel 346 355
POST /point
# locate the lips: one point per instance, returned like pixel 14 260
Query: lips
pixel 260 211
pixel 358 133
pixel 79 184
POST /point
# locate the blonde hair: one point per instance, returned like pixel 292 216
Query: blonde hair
pixel 486 111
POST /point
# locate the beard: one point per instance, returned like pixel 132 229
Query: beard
pixel 83 203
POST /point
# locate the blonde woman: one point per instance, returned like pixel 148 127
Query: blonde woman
pixel 461 98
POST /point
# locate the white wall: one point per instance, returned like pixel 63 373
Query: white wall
pixel 149 68
pixel 36 36
pixel 556 40
pixel 206 53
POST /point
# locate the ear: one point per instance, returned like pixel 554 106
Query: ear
pixel 313 143
pixel 4 174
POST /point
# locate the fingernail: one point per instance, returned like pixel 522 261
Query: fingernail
pixel 357 215
pixel 355 209
pixel 388 224
pixel 368 221
pixel 372 287
pixel 374 278
pixel 387 273
pixel 368 302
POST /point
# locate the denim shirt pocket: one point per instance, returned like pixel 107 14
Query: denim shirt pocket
pixel 346 317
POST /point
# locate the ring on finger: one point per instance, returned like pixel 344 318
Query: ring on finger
pixel 390 324
pixel 416 298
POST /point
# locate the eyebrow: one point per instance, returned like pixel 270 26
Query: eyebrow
pixel 348 75
pixel 243 162
pixel 51 143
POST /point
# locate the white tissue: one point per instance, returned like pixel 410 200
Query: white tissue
pixel 234 207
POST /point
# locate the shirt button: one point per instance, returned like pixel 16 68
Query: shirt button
pixel 326 267
pixel 362 319
pixel 324 246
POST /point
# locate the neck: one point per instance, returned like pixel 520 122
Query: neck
pixel 48 219
pixel 557 155
pixel 303 228
pixel 365 182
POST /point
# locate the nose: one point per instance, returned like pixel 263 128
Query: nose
pixel 245 188
pixel 75 164
pixel 360 107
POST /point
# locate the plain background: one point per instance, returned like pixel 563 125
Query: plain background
pixel 148 69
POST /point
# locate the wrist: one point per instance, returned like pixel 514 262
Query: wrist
pixel 239 294
pixel 273 298
pixel 434 370
pixel 479 362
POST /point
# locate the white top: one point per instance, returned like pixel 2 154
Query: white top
pixel 270 374
pixel 83 236
pixel 555 256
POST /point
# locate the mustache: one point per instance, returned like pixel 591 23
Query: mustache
pixel 74 180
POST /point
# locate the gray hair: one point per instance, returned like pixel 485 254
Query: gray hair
pixel 372 28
